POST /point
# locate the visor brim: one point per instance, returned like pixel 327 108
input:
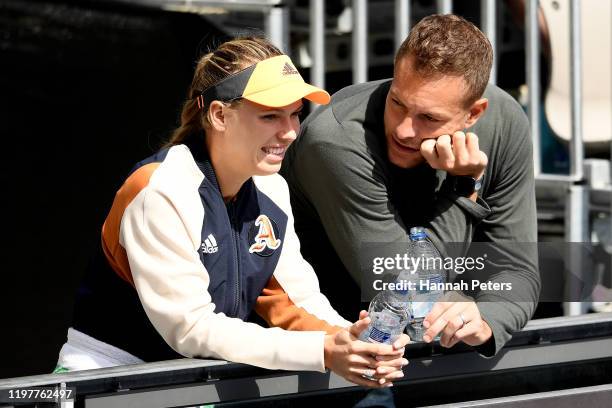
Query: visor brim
pixel 288 93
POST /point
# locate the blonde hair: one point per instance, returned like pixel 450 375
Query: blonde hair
pixel 229 58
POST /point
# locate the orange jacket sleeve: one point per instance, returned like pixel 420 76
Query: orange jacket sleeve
pixel 275 307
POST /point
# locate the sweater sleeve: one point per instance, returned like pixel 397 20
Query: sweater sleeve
pixel 511 233
pixel 278 310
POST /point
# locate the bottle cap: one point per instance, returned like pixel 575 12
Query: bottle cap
pixel 417 233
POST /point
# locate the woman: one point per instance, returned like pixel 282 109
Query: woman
pixel 203 232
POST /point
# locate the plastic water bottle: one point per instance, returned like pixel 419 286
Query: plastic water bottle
pixel 389 316
pixel 426 274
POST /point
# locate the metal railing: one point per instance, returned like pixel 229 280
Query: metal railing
pixel 402 21
pixel 317 42
pixel 402 25
pixel 488 17
pixel 276 26
pixel 577 201
pixel 573 342
pixel 360 41
pixel 533 83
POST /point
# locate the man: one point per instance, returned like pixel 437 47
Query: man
pixel 388 155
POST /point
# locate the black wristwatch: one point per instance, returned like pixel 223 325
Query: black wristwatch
pixel 464 186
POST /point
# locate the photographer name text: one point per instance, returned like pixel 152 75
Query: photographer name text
pixel 426 285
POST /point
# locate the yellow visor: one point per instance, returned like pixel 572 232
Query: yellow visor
pixel 275 82
pixel 272 82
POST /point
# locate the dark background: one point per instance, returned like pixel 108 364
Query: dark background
pixel 86 91
pixel 87 88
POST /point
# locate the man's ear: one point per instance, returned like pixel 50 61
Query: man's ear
pixel 216 116
pixel 476 111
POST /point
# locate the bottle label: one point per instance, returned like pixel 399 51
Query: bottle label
pixel 436 279
pixel 420 309
pixel 387 318
pixel 379 336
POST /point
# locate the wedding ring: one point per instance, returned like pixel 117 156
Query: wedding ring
pixel 369 374
pixel 463 320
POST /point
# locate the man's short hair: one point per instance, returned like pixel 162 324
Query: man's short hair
pixel 450 45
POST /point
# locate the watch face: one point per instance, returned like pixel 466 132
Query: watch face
pixel 465 185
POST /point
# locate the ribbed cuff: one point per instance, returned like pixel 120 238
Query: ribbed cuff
pixel 305 351
pixel 479 210
pixel 491 312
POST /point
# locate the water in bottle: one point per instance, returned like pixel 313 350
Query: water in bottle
pixel 388 318
pixel 388 315
pixel 428 275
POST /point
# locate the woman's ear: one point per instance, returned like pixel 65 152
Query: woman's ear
pixel 216 116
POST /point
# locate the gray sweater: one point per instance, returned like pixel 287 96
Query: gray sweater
pixel 345 193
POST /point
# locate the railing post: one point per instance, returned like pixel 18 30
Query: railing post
pixel 402 21
pixel 276 26
pixel 576 231
pixel 359 50
pixel 445 6
pixel 533 79
pixel 576 143
pixel 488 20
pixel 317 42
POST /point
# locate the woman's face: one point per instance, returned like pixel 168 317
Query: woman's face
pixel 256 137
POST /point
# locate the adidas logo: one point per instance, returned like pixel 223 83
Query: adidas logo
pixel 289 70
pixel 209 246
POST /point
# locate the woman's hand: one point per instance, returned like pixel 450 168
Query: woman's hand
pixel 351 358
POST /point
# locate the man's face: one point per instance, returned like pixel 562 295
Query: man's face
pixel 419 108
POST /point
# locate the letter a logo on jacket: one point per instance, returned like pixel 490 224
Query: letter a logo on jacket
pixel 265 239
